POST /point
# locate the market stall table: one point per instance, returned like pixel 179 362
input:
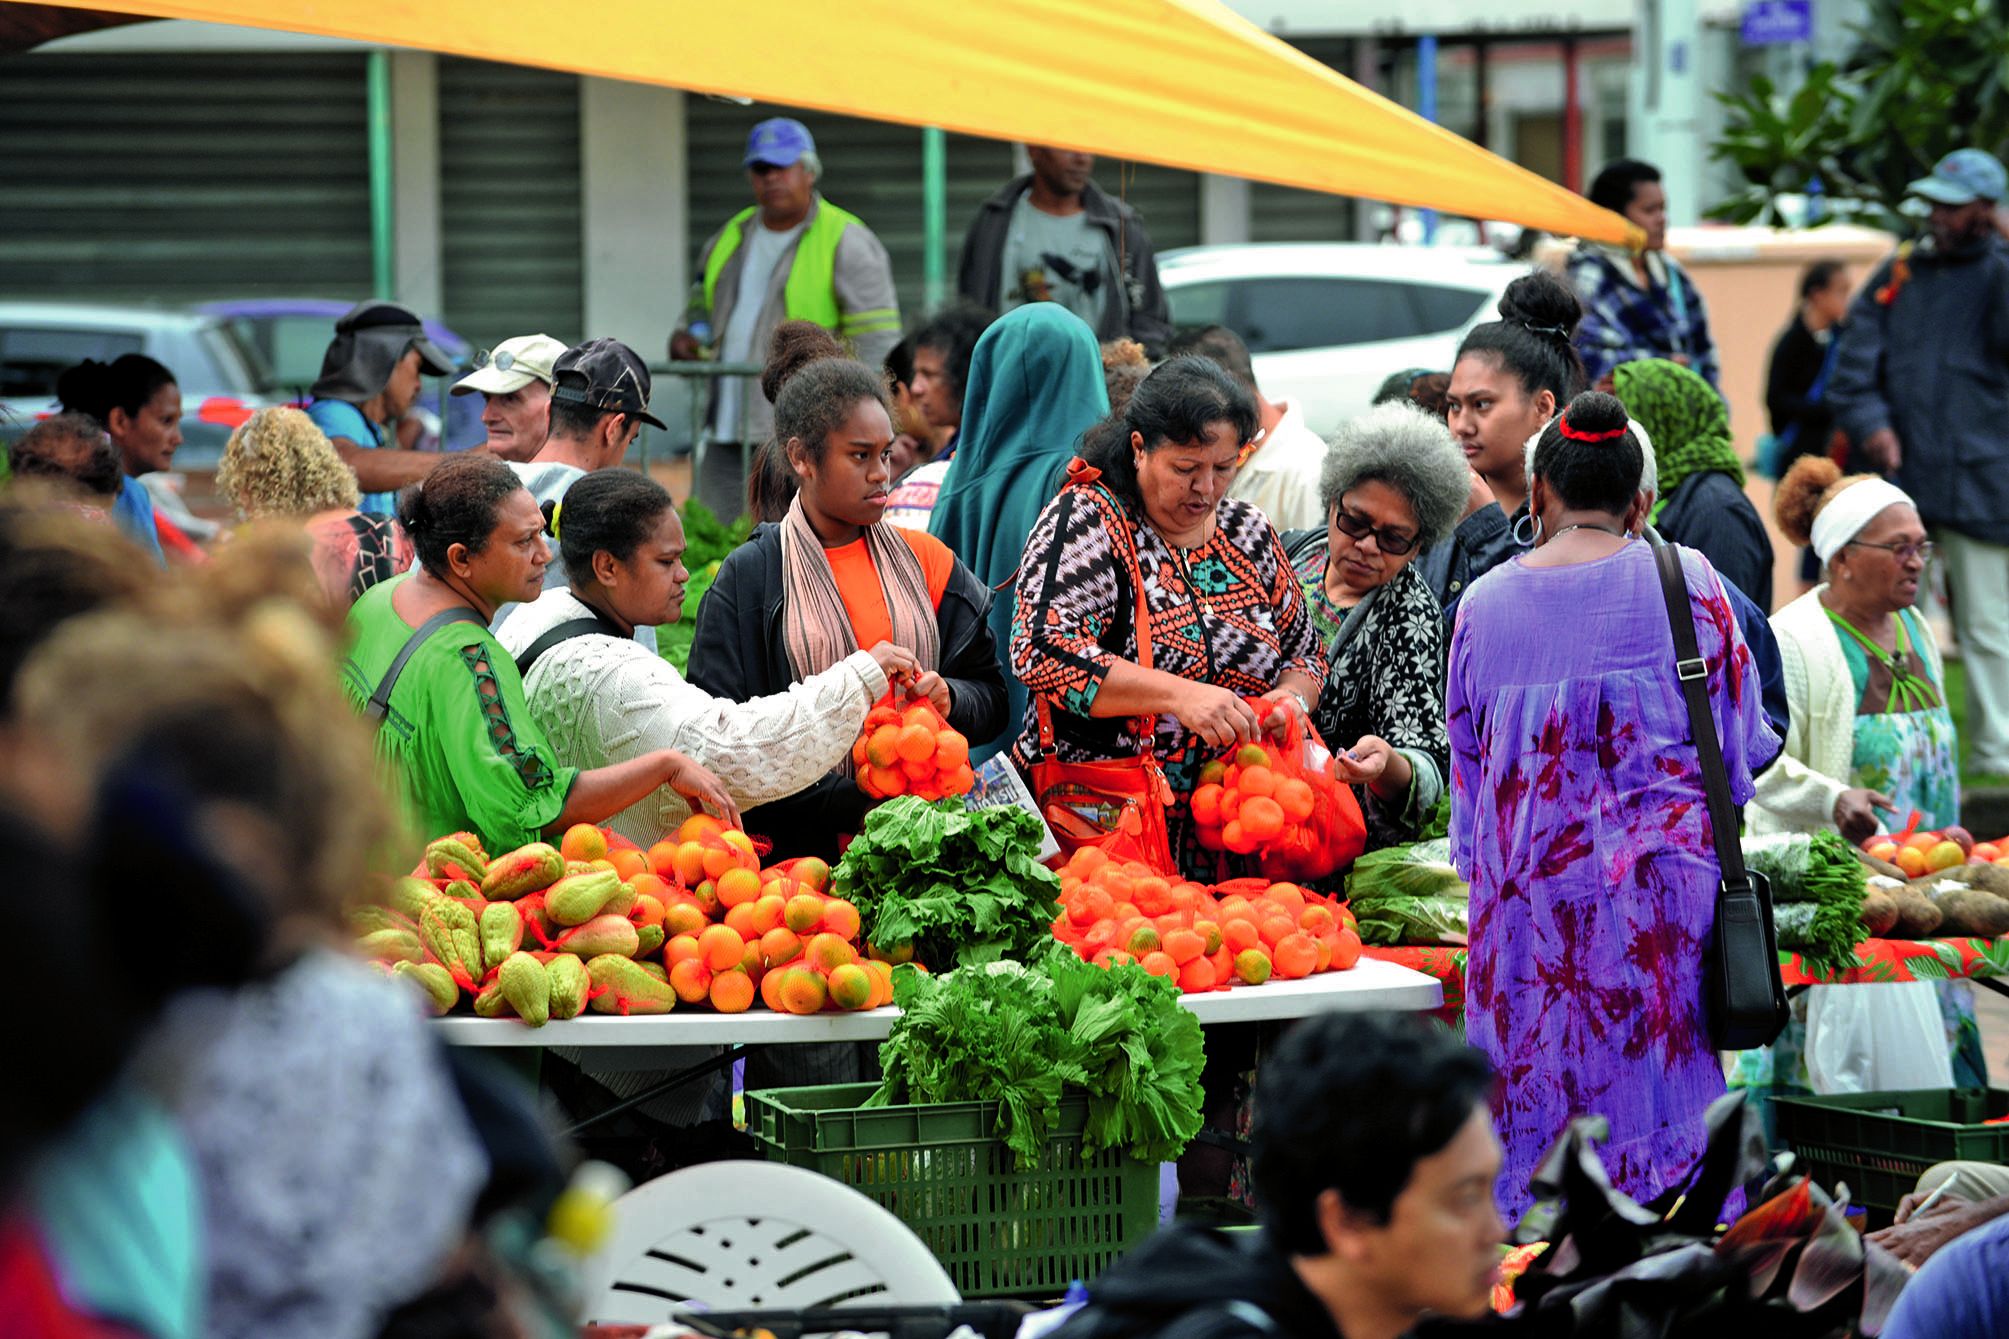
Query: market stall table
pixel 1369 985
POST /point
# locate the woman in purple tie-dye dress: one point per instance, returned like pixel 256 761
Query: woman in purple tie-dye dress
pixel 1578 816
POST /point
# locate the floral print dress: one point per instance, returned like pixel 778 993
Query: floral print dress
pixel 1228 612
pixel 1579 819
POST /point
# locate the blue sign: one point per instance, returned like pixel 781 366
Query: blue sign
pixel 1771 22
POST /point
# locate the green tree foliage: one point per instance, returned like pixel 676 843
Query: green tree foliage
pixel 1927 77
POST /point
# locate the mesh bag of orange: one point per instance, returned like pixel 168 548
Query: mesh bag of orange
pixel 906 748
pixel 1278 800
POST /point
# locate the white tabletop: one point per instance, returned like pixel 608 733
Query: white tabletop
pixel 1369 985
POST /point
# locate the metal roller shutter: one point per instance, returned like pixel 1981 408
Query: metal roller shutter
pixel 138 178
pixel 1285 214
pixel 511 260
pixel 873 169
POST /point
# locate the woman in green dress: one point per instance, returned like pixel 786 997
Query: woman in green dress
pixel 455 723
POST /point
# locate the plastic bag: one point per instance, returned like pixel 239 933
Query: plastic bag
pixel 1280 801
pixel 1876 1038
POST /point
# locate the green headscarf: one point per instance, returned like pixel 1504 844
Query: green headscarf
pixel 1685 417
pixel 1035 387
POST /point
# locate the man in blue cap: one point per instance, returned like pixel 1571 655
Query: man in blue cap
pixel 1921 387
pixel 790 256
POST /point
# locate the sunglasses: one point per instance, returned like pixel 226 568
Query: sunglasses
pixel 502 360
pixel 1391 542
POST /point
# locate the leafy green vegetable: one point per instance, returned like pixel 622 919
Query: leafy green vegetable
pixel 1409 895
pixel 1817 888
pixel 961 886
pixel 1024 1036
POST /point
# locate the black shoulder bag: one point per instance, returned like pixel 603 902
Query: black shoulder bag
pixel 379 705
pixel 565 632
pixel 1744 999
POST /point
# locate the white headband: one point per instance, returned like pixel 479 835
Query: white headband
pixel 1850 510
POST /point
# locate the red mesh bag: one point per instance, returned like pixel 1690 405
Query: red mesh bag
pixel 1280 801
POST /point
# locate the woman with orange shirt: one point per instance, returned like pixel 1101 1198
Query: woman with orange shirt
pixel 832 576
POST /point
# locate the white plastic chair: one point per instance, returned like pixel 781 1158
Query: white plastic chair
pixel 741 1235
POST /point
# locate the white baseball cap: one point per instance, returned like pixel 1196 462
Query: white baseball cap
pixel 512 365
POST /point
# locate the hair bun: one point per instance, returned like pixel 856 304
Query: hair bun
pixel 1597 414
pixel 1797 499
pixel 1543 304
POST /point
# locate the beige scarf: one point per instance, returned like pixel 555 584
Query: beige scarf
pixel 814 625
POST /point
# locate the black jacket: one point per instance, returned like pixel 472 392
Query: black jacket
pixel 1139 312
pixel 1482 541
pixel 1931 361
pixel 1709 513
pixel 1189 1283
pixel 737 653
pixel 1789 377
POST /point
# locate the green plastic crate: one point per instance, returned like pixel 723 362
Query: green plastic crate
pixel 999 1231
pixel 1880 1143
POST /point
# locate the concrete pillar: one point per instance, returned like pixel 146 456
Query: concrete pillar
pixel 415 220
pixel 1224 210
pixel 1666 126
pixel 634 217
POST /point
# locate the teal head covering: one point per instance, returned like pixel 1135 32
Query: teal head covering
pixel 1684 416
pixel 1035 386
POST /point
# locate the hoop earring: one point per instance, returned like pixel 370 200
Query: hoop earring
pixel 1534 536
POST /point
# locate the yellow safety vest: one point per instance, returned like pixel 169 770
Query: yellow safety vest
pixel 811 291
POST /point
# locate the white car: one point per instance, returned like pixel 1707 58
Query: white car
pixel 1328 322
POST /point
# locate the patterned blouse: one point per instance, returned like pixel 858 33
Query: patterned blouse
pixel 1386 678
pixel 1227 613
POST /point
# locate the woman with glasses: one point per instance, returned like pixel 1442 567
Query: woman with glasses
pixel 1871 743
pixel 1393 483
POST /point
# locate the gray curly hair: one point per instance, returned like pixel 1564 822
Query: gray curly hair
pixel 1402 446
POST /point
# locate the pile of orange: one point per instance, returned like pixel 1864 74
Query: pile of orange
pixel 1238 933
pixel 1244 805
pixel 911 750
pixel 736 932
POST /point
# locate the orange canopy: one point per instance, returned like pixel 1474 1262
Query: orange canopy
pixel 1185 83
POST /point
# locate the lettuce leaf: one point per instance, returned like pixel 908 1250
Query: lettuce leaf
pixel 960 886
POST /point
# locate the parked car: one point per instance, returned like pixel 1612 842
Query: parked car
pixel 290 335
pixel 222 381
pixel 1327 322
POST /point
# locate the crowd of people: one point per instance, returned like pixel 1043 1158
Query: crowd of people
pixel 1088 539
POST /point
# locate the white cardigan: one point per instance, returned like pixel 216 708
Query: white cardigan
pixel 604 700
pixel 1798 793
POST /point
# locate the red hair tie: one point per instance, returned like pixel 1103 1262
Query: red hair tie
pixel 1579 435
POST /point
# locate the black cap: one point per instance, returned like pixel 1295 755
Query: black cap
pixel 390 318
pixel 605 374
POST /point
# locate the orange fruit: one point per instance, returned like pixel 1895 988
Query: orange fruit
pixel 892 957
pixel 663 858
pixel 684 917
pixel 740 918
pixel 692 980
pixel 583 841
pixel 1196 976
pixel 722 947
pixel 1088 860
pixel 1185 946
pixel 1274 927
pixel 1239 934
pixel 1317 919
pixel 1924 841
pixel 1945 855
pixel 1211 932
pixel 1911 860
pixel 1159 964
pixel 1345 950
pixel 801 991
pixel 1324 954
pixel 1256 783
pixel 770 991
pixel 1206 805
pixel 882 983
pixel 1252 966
pixel 918 774
pixel 743 847
pixel 812 873
pixel 681 947
pixel 916 744
pixel 1143 941
pixel 851 985
pixel 705 894
pixel 882 746
pixel 890 781
pixel 840 918
pixel 1262 819
pixel 951 751
pixel 737 885
pixel 732 992
pixel 1296 956
pixel 780 945
pixel 688 863
pixel 651 884
pixel 648 912
pixel 1236 838
pixel 698 827
pixel 827 952
pixel 718 859
pixel 1287 895
pixel 767 910
pixel 1297 798
pixel 628 862
pixel 803 913
pixel 1252 755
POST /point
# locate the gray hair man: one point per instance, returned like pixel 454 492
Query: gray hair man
pixel 514 380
